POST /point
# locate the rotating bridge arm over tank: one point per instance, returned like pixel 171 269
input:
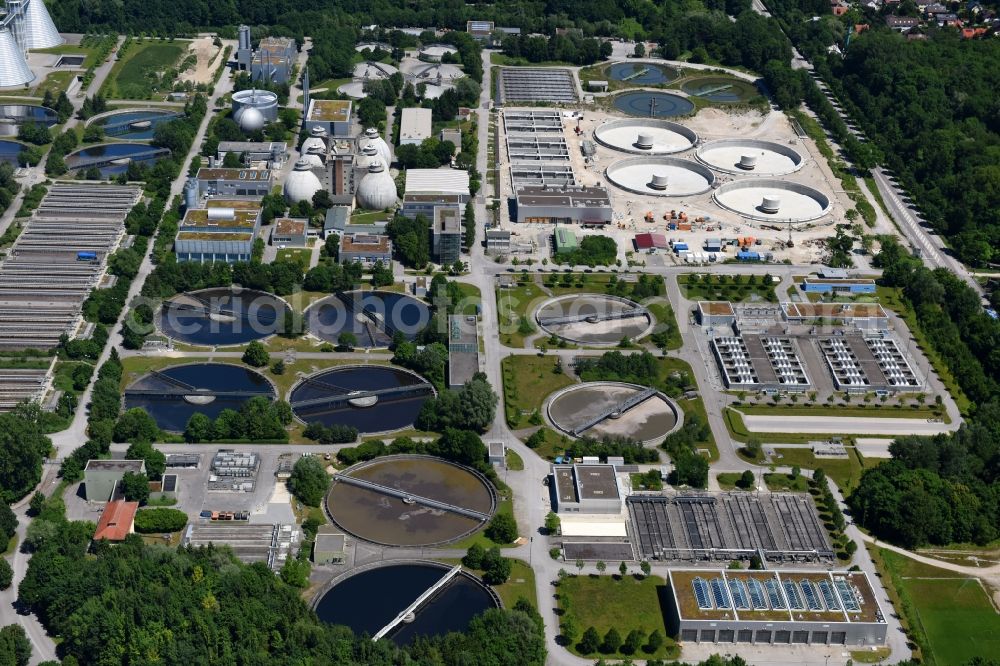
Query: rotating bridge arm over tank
pixel 423 598
pixel 411 498
pixel 594 318
pixel 358 395
pixel 616 410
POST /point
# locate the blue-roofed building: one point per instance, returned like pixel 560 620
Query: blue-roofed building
pixel 748 255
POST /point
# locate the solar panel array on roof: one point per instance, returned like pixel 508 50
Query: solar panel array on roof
pixel 812 598
pixel 847 596
pixel 739 594
pixel 756 590
pixel 829 596
pixel 719 594
pixel 774 596
pixel 792 593
pixel 701 593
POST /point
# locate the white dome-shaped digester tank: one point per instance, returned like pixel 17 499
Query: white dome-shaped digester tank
pixel 375 140
pixel 250 119
pixel 376 191
pixel 301 183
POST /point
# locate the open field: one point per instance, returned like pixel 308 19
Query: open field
pixel 300 255
pixel 940 606
pixel 129 77
pixel 604 602
pixel 782 482
pixel 527 381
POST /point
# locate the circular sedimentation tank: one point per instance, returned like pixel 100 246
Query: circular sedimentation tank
pixel 653 104
pixel 373 317
pixel 326 397
pixel 9 150
pixel 264 101
pixel 112 159
pixel 400 503
pixel 222 316
pixel 575 407
pixel 772 200
pixel 594 319
pixel 750 157
pixel 641 73
pixel 646 137
pixel 661 176
pixel 720 89
pixel 13 116
pixel 370 598
pixel 132 124
pixel 172 395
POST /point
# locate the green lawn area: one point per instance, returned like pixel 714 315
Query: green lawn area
pixel 520 584
pixel 528 380
pixel 472 298
pixel 499 59
pixel 516 304
pixel 554 444
pixel 776 482
pixel 734 288
pixel 892 298
pixel 664 314
pixel 505 505
pixel 950 616
pixel 129 75
pixel 74 49
pixel 301 255
pixel 727 480
pixel 603 602
pixel 368 218
pixel 845 472
pixel 513 461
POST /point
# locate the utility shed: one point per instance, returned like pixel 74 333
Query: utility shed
pixel 330 546
pixel 100 476
pixel 565 240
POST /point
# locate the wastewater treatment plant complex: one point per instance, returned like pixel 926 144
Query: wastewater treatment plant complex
pixel 427 365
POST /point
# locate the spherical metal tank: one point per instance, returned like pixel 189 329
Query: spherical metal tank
pixel 377 191
pixel 251 120
pixel 301 183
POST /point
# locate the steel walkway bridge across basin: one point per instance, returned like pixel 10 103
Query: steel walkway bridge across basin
pixel 594 318
pixel 182 388
pixel 108 160
pixel 411 498
pixel 616 410
pixel 360 395
pixel 421 600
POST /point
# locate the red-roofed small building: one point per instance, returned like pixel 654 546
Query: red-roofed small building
pixel 650 241
pixel 116 522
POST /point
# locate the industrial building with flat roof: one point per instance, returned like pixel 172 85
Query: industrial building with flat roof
pixel 760 362
pixel 101 476
pixel 861 363
pixel 775 607
pixel 446 235
pixel 438 181
pixel 588 206
pixel 586 489
pixel 728 526
pixel 222 231
pixel 330 546
pixel 287 231
pixel 414 126
pixel 859 315
pixel 554 85
pixel 235 182
pixel 273 154
pixel 332 115
pixel 367 249
pixel 716 313
pixel 463 349
pixel 57 259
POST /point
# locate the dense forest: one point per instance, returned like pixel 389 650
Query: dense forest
pixel 944 489
pixel 931 108
pixel 138 604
